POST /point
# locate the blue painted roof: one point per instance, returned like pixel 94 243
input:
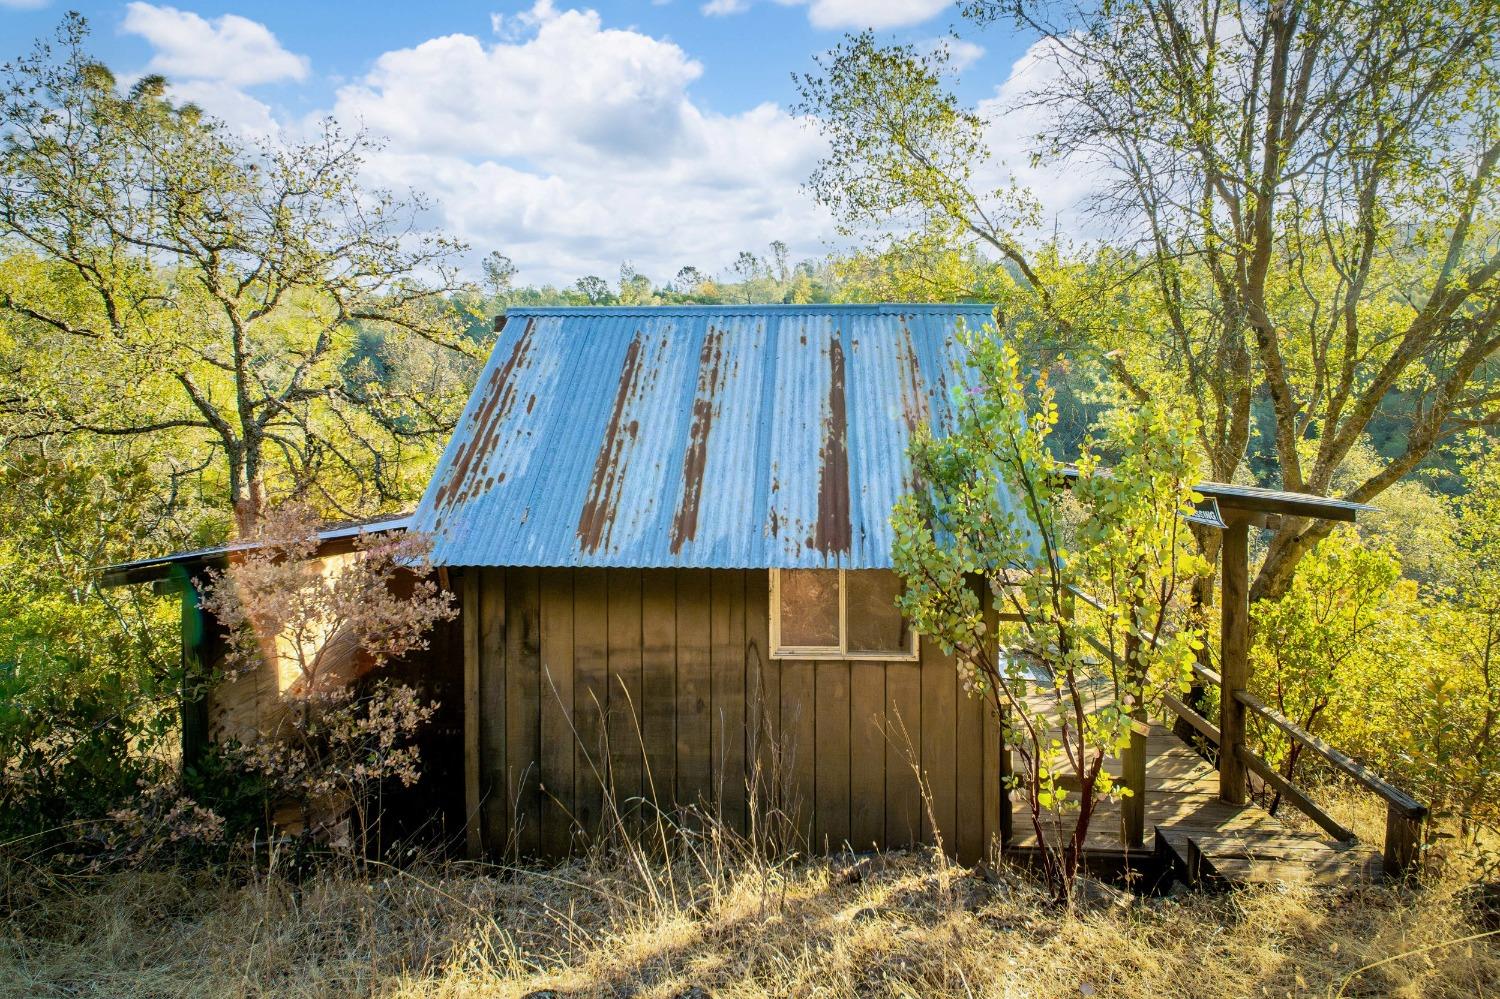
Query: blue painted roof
pixel 708 436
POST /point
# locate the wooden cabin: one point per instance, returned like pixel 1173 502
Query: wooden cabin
pixel 669 529
pixel 673 530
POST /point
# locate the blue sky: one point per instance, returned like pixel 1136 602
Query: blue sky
pixel 571 136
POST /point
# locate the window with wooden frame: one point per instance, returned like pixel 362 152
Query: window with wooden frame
pixel 838 614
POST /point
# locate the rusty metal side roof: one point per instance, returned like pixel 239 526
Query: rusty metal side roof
pixel 712 437
pixel 149 570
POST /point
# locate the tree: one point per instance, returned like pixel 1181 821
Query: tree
pixel 87 675
pixel 594 289
pixel 1315 183
pixel 1100 571
pixel 316 626
pixel 1325 631
pixel 779 269
pixel 635 287
pixel 1401 677
pixel 748 267
pixel 499 274
pixel 1475 594
pixel 689 279
pixel 166 278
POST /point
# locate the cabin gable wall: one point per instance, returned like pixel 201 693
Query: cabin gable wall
pixel 593 696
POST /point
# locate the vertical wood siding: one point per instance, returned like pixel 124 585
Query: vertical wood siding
pixel 659 685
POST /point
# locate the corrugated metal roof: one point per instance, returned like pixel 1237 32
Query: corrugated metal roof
pixel 721 436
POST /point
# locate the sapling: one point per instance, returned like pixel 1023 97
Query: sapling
pixel 1062 593
pixel 323 628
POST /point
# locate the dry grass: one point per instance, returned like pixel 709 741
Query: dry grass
pixel 722 917
pixel 717 919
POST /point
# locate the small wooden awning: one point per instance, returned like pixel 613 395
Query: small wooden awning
pixel 1220 497
pixel 1254 499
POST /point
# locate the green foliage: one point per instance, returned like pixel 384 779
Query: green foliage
pixel 188 324
pixel 1335 623
pixel 993 523
pixel 1314 186
pixel 87 677
pixel 163 278
pixel 751 279
pixel 1401 676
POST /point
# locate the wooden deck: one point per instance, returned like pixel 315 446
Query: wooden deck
pixel 1207 842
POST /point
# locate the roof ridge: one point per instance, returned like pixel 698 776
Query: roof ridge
pixel 872 308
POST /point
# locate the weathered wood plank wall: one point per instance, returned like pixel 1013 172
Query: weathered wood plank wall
pixel 659 683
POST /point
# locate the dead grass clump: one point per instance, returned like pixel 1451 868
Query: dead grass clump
pixel 911 926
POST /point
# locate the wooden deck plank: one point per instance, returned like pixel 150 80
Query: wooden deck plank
pixel 968 774
pixel 762 692
pixel 903 741
pixel 624 722
pixel 727 710
pixel 799 736
pixel 523 720
pixel 939 742
pixel 495 809
pixel 1212 843
pixel 694 722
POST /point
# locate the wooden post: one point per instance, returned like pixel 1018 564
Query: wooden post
pixel 1234 658
pixel 1403 842
pixel 1133 765
pixel 469 609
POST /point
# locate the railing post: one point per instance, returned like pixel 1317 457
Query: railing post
pixel 1133 765
pixel 1403 842
pixel 1234 658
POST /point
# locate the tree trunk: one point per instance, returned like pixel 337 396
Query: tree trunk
pixel 1289 544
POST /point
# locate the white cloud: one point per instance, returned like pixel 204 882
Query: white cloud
pixel 572 89
pixel 230 104
pixel 514 26
pixel 228 49
pixel 873 13
pixel 961 53
pixel 838 14
pixel 571 147
pixel 1013 123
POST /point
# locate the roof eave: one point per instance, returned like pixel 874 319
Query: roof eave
pixel 332 541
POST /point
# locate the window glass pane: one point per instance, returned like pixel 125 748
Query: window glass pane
pixel 810 608
pixel 872 619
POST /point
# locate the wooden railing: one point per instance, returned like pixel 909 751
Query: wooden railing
pixel 1404 814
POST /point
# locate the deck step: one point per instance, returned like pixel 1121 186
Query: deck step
pixel 1268 856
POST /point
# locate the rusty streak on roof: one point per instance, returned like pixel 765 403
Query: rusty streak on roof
pixel 705 408
pixel 832 535
pixel 705 436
